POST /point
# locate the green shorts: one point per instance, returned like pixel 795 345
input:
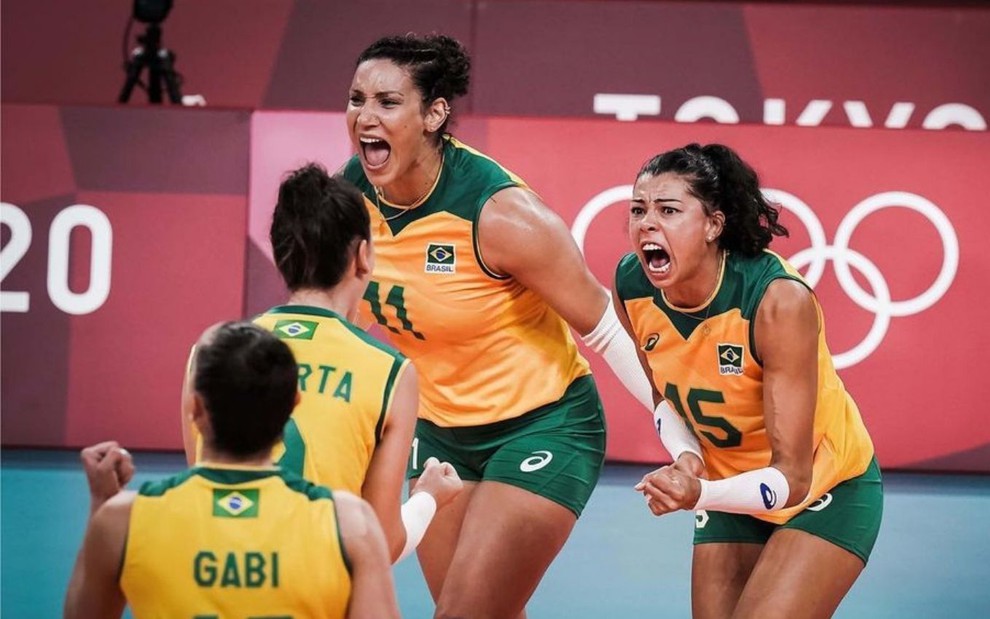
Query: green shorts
pixel 555 451
pixel 848 515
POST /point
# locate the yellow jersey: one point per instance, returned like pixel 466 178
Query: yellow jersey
pixel 234 542
pixel 488 348
pixel 347 380
pixel 706 365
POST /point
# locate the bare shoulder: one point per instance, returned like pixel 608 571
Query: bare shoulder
pixel 353 513
pixel 410 377
pixel 405 401
pixel 111 521
pixel 787 324
pixel 516 229
pixel 787 297
pixel 515 210
pixel 117 506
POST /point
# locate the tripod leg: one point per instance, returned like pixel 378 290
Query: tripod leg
pixel 171 79
pixel 155 78
pixel 134 66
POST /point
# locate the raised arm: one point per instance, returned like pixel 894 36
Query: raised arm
pixel 677 438
pixel 382 487
pixel 372 587
pixel 404 525
pixel 521 237
pixel 94 590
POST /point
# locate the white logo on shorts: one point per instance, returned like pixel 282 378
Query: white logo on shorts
pixel 820 503
pixel 700 519
pixel 536 461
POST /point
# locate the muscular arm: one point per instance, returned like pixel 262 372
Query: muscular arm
pixel 94 590
pixel 383 483
pixel 372 590
pixel 520 236
pixel 677 439
pixel 786 335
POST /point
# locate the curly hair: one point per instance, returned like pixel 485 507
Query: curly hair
pixel 722 181
pixel 439 65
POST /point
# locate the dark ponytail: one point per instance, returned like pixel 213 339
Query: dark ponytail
pixel 318 220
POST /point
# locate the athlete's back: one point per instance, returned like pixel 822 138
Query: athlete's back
pixel 234 542
pixel 346 379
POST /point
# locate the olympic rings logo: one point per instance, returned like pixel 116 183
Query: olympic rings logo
pixel 840 253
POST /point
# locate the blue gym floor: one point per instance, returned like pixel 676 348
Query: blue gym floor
pixel 932 558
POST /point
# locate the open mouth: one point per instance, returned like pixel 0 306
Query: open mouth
pixel 376 152
pixel 656 258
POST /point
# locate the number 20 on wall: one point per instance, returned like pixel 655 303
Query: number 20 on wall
pixel 59 234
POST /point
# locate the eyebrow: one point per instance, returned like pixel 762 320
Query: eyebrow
pixel 655 200
pixel 385 93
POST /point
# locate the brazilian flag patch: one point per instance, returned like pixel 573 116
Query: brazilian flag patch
pixel 730 359
pixel 441 258
pixel 236 503
pixel 295 329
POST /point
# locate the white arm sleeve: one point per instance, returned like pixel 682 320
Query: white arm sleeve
pixel 754 492
pixel 417 513
pixel 611 341
pixel 674 433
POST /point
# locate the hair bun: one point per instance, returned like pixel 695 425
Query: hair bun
pixel 455 76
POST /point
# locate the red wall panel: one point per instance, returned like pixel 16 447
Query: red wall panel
pixel 923 358
pixel 189 243
pixel 171 223
pixel 807 64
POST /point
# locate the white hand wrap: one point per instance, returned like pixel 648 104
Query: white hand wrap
pixel 674 433
pixel 611 341
pixel 754 492
pixel 417 513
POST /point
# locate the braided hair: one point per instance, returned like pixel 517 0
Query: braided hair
pixel 439 65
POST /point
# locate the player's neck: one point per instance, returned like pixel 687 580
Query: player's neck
pixel 212 456
pixel 416 185
pixel 701 290
pixel 339 300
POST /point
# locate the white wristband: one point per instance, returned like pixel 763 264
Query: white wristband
pixel 612 342
pixel 417 513
pixel 674 433
pixel 754 492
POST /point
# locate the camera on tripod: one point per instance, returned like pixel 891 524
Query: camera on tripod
pixel 150 55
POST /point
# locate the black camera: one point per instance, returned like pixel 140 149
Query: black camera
pixel 152 11
pixel 150 55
